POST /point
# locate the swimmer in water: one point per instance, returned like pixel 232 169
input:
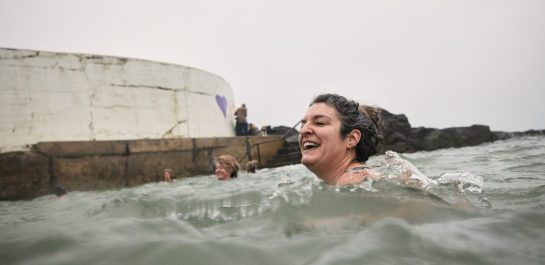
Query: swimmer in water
pixel 167 176
pixel 226 167
pixel 337 137
pixel 60 191
pixel 251 166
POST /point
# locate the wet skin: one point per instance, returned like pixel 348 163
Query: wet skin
pixel 325 151
pixel 222 173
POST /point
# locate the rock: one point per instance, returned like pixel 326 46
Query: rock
pixel 506 135
pixel 399 136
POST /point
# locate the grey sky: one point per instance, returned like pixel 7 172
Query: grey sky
pixel 442 63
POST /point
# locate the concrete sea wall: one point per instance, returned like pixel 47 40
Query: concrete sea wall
pixel 46 96
pixel 99 122
pixel 98 165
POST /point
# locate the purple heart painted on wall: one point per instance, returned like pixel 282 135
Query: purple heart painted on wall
pixel 222 103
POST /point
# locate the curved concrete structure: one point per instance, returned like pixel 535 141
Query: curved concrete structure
pixel 48 96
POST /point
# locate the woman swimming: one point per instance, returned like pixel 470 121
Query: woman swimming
pixel 337 136
pixel 168 176
pixel 226 167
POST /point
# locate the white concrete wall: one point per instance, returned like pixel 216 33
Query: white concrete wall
pixel 48 96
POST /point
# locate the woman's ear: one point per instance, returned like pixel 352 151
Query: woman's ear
pixel 353 138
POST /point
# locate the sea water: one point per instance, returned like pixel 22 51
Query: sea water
pixel 477 205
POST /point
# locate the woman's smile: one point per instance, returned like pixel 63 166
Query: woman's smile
pixel 331 138
pixel 308 145
pixel 320 138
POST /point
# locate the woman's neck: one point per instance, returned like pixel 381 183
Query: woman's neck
pixel 333 175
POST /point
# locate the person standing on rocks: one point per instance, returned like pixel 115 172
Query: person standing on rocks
pixel 241 127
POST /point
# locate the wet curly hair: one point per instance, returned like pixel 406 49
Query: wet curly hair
pixel 366 119
pixel 229 163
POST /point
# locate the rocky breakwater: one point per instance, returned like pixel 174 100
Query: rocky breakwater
pixel 399 136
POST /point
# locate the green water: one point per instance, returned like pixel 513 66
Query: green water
pixel 254 220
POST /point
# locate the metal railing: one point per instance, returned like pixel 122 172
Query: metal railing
pixel 283 138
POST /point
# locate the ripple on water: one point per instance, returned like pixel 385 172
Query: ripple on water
pixel 260 219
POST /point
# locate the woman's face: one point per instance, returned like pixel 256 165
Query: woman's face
pixel 222 173
pixel 320 139
pixel 167 176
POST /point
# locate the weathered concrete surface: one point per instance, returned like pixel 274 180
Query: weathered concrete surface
pixel 89 173
pixel 24 175
pixel 82 148
pixel 98 165
pixel 47 96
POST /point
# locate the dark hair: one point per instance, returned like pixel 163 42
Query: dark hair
pixel 229 163
pixel 251 166
pixel 59 191
pixel 364 118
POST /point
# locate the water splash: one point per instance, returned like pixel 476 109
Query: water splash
pixel 464 181
pixel 395 167
pixel 287 181
pixel 399 170
pixel 367 185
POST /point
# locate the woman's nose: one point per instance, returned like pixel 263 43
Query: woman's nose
pixel 305 128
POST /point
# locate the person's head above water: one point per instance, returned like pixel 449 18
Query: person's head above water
pixel 226 167
pixel 251 166
pixel 167 175
pixel 60 191
pixel 337 136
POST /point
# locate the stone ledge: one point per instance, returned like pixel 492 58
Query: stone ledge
pixel 160 145
pixel 98 165
pixel 80 148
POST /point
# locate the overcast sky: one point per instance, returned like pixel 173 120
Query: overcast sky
pixel 442 63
